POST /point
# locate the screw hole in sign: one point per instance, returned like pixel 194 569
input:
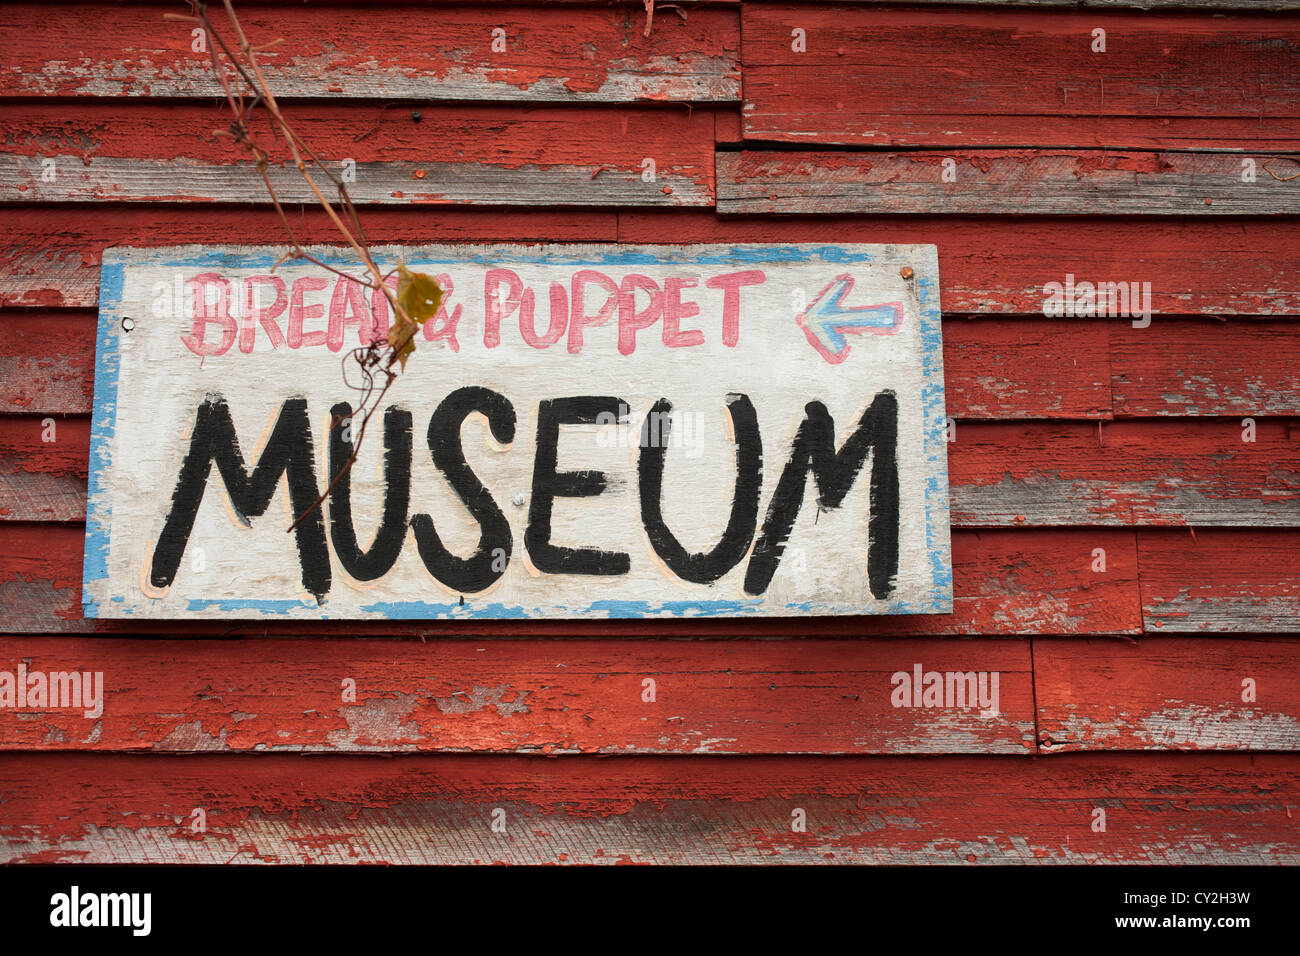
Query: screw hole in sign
pixel 128 323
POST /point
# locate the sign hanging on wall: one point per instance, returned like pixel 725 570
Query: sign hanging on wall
pixel 583 431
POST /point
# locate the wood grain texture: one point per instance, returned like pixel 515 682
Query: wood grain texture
pixel 1165 472
pixel 47 363
pixel 1014 77
pixel 1205 367
pixel 51 255
pixel 551 54
pixel 109 151
pixel 996 265
pixel 281 808
pixel 549 697
pixel 1005 582
pixel 1032 367
pixel 996 182
pixel 1219 580
pixel 1035 474
pixel 43 468
pixel 1165 693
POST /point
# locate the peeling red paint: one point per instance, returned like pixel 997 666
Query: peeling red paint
pixel 1184 807
pixel 938 77
pixel 1048 596
pixel 181 696
pixel 593 51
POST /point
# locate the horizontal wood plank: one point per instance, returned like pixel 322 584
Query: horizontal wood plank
pixel 555 54
pixel 47 363
pixel 283 808
pixel 1180 473
pixel 1005 582
pixel 51 255
pixel 1220 580
pixel 558 696
pixel 992 265
pixel 109 151
pixel 957 78
pixel 1029 367
pixel 1205 367
pixel 997 182
pixel 1164 693
pixel 43 466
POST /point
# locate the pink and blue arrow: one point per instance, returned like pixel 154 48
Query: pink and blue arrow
pixel 827 319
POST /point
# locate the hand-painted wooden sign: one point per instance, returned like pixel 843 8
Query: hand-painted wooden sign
pixel 615 431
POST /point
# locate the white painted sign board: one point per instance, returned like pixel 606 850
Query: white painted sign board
pixel 583 431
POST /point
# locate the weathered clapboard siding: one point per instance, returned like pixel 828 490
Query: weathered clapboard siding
pixel 47 362
pixel 1220 580
pixel 910 76
pixel 1025 368
pixel 43 468
pixel 1125 473
pixel 561 696
pixel 1198 473
pixel 279 808
pixel 1040 404
pixel 556 54
pixel 1005 581
pixel 548 697
pixel 1167 693
pixel 1000 264
pixel 1205 367
pixel 111 151
pixel 50 256
pixel 1020 182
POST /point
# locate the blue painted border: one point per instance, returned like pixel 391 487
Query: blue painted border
pixel 926 276
pixel 99 510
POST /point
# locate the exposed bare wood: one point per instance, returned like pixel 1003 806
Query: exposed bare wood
pixel 557 54
pixel 1167 693
pixel 279 808
pixel 452 154
pixel 1205 367
pixel 552 697
pixel 1005 582
pixel 998 182
pixel 1219 580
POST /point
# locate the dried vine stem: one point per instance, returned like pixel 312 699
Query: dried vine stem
pixel 418 296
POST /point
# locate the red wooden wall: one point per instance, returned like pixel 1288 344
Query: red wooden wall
pixel 1121 690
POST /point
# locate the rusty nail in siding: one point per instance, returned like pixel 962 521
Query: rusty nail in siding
pixel 905 272
pixel 415 115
